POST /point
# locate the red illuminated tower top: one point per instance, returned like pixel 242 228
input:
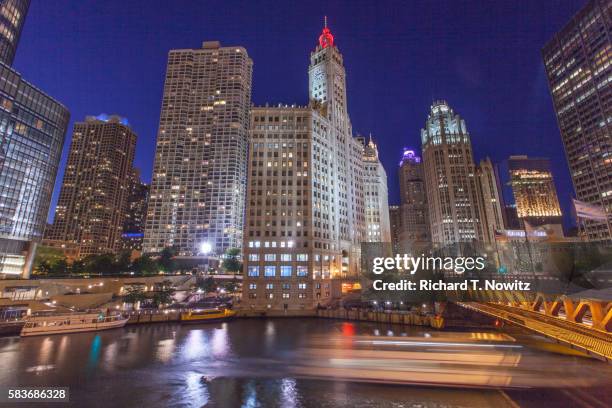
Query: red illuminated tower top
pixel 326 39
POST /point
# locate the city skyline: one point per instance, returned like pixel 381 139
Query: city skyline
pixel 362 48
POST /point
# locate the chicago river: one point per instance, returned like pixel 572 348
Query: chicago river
pixel 302 363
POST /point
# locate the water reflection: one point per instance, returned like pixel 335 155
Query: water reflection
pixel 286 363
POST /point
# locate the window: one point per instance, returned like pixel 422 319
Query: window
pixel 302 270
pixel 252 286
pixel 270 295
pixel 269 286
pixel 286 286
pixel 270 270
pixel 285 257
pixel 285 296
pixel 302 286
pixel 285 270
pixel 253 271
pixel 302 295
pixel 254 257
pixel 270 257
pixel 302 257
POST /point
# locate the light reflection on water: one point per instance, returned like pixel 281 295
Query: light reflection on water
pixel 240 363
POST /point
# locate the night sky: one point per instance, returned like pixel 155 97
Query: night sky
pixel 482 57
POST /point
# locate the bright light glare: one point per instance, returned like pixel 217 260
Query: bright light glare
pixel 205 247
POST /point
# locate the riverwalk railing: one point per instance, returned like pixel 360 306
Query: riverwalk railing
pixel 390 317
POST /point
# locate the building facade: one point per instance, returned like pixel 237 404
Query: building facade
pixel 305 215
pixel 92 202
pixel 414 235
pixel 396 225
pixel 376 194
pixel 450 180
pixel 32 130
pixel 491 200
pixel 12 19
pixel 136 213
pixel 578 65
pixel 534 190
pixel 199 176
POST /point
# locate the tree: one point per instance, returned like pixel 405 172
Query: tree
pixel 231 262
pixel 231 286
pixel 102 264
pixel 164 294
pixel 144 265
pixel 78 266
pixel 208 285
pixel 134 295
pixel 59 267
pixel 45 258
pixel 122 262
pixel 166 261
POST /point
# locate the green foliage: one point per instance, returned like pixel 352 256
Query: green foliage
pixel 230 286
pixel 166 261
pixel 144 265
pixel 208 285
pixel 164 295
pixel 231 262
pixel 134 295
pixel 49 260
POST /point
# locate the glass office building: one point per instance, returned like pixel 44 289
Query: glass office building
pixel 32 130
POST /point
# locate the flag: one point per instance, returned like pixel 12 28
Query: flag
pixel 589 211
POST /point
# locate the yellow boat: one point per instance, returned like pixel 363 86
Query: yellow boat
pixel 207 315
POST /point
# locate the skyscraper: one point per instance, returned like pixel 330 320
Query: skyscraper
pixel 376 194
pixel 12 18
pixel 414 227
pixel 450 181
pixel 305 213
pixel 491 199
pixel 92 203
pixel 534 190
pixel 136 212
pixel 199 177
pixel 578 65
pixel 396 225
pixel 32 130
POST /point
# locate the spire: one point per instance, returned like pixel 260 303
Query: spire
pixel 326 39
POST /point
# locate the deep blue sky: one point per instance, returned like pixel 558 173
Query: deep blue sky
pixel 482 57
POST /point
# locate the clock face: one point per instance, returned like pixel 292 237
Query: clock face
pixel 318 75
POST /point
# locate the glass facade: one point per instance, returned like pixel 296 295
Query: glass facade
pixel 32 130
pixel 12 17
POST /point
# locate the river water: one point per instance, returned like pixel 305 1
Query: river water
pixel 285 363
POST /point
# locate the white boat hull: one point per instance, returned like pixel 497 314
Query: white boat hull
pixel 73 328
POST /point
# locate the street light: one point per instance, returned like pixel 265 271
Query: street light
pixel 205 248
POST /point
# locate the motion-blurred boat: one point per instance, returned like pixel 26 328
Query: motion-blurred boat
pixel 71 323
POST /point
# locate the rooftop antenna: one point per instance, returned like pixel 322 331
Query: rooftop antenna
pixel 325 18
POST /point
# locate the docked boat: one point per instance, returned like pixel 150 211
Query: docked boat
pixel 71 323
pixel 207 315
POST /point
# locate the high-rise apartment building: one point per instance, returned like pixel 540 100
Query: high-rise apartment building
pixel 396 225
pixel 450 180
pixel 32 130
pixel 92 203
pixel 534 190
pixel 414 233
pixel 199 177
pixel 135 213
pixel 305 215
pixel 12 18
pixel 491 200
pixel 376 194
pixel 578 62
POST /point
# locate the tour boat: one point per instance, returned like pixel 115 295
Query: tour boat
pixel 71 323
pixel 207 315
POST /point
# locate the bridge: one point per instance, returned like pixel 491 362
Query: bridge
pixel 580 323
